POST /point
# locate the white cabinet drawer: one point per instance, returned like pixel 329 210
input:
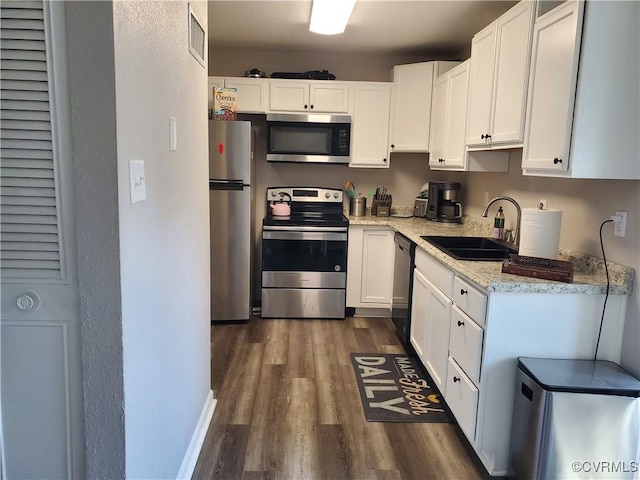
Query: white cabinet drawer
pixel 440 275
pixel 472 301
pixel 462 398
pixel 465 343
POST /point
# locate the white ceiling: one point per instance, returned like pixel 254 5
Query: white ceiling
pixel 418 27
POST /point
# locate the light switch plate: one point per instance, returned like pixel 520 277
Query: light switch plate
pixel 137 181
pixel 173 134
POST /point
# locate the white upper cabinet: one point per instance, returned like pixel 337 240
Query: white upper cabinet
pixel 449 115
pixel 411 105
pixel 438 126
pixel 213 82
pixel 252 93
pixel 483 50
pixel 304 96
pixel 500 56
pixel 583 115
pixel 370 124
pixel 329 97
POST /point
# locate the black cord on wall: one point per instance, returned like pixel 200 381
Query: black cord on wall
pixel 606 296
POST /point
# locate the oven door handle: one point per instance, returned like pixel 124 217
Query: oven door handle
pixel 303 229
pixel 322 236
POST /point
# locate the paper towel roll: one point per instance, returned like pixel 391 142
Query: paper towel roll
pixel 540 232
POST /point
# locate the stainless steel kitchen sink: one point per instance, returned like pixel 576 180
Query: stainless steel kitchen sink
pixel 472 248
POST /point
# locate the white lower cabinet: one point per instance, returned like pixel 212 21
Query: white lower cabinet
pixel 446 337
pixel 473 358
pixel 430 328
pixel 462 399
pixel 370 260
pixel 465 343
pixel 418 331
pixel 430 316
pixel 437 331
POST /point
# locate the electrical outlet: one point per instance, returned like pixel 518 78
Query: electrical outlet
pixel 621 225
pixel 542 203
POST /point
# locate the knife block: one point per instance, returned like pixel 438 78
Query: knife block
pixel 381 206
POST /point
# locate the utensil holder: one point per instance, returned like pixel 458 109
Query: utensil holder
pixel 358 207
pixel 381 206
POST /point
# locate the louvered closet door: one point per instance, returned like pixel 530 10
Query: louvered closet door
pixel 40 343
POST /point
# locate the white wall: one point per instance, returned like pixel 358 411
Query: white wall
pixel 373 67
pixel 93 113
pixel 164 240
pixel 144 267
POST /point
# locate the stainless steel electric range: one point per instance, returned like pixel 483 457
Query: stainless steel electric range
pixel 304 254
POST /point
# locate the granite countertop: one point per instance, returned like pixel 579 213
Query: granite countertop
pixel 588 275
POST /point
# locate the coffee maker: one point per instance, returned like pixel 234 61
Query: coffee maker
pixel 442 205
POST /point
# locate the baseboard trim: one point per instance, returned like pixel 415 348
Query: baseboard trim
pixel 197 439
pixel 372 312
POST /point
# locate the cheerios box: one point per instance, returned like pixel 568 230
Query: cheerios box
pixel 225 103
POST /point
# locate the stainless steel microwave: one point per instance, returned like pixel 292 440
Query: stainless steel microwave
pixel 310 138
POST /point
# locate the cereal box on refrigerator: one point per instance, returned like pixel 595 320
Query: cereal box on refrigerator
pixel 224 103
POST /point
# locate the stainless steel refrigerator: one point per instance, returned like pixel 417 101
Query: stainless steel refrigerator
pixel 231 219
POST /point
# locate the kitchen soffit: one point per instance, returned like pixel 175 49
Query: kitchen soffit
pixel 376 27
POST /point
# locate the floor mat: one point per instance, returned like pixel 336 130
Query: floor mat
pixel 394 389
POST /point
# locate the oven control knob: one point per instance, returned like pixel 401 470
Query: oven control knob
pixel 337 268
pixel 327 195
pixel 273 194
pixel 335 194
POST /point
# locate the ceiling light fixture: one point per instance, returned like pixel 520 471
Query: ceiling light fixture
pixel 330 17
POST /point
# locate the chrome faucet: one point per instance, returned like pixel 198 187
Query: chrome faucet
pixel 516 233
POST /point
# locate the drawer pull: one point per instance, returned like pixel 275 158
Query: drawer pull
pixel 456 379
pixel 463 291
pixel 460 324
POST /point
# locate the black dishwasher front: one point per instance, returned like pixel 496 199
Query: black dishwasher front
pixel 405 251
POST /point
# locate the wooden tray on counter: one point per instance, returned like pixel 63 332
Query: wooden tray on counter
pixel 536 267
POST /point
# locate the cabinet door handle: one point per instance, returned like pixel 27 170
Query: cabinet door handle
pixel 393 146
pixel 441 160
pixel 460 323
pixel 306 106
pixel 455 379
pixel 557 161
pixel 384 159
pixel 311 107
pixel 463 291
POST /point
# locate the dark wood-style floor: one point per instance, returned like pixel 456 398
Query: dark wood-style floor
pixel 288 408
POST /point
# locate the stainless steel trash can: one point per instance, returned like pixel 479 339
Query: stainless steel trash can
pixel 574 419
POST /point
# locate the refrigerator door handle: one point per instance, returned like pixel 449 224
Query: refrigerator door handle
pixel 226 184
